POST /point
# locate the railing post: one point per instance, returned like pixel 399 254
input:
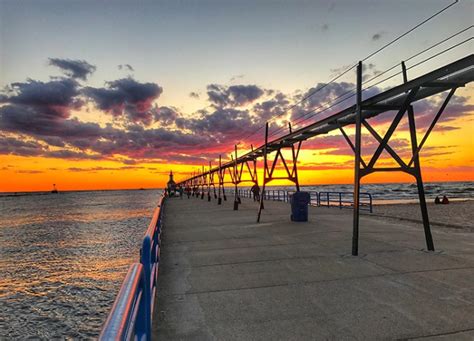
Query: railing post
pixel 145 260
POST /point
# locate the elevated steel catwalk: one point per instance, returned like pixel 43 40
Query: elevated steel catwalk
pixel 454 75
pixel 400 98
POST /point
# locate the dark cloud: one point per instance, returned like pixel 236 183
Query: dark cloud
pixel 126 67
pixel 226 125
pixel 128 97
pixel 53 98
pixel 234 95
pixel 234 78
pixel 323 166
pixel 165 115
pixel 73 68
pixel 14 146
pixel 129 162
pixel 377 36
pixel 73 155
pixel 336 71
pixel 98 169
pixel 39 114
pixel 322 96
pixel 193 94
pixel 445 128
pixel 54 141
pixel 274 107
pixel 369 70
pixel 426 109
pixel 33 121
pixel 29 171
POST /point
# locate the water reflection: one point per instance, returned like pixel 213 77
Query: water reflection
pixel 63 257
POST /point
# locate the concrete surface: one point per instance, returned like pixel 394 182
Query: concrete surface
pixel 225 277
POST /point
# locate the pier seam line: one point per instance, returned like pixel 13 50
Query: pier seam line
pixel 434 335
pixel 321 281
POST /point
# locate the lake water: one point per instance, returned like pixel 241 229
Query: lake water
pixel 399 192
pixel 63 256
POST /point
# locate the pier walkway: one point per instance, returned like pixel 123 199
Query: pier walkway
pixel 225 277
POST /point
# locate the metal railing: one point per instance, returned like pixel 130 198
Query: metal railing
pixel 327 199
pixel 345 200
pixel 131 314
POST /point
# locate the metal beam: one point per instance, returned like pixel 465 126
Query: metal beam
pixel 357 148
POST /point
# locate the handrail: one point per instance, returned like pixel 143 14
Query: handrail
pixel 341 202
pixel 323 198
pixel 131 314
pixel 120 324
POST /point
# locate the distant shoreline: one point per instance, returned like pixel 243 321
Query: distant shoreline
pixel 20 193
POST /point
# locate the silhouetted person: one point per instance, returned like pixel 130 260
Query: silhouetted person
pixel 445 200
pixel 256 192
pixel 437 201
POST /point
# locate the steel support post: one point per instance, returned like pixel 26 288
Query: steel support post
pixel 219 199
pixel 417 170
pixel 357 151
pixel 236 194
pixel 419 180
pixel 255 174
pixel 223 188
pixel 202 183
pixel 209 183
pixel 295 161
pixel 265 170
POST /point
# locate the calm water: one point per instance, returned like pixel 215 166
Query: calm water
pixel 63 258
pixel 400 192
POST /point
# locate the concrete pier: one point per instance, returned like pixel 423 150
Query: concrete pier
pixel 225 277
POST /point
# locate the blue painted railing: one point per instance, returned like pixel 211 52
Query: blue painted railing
pixel 131 314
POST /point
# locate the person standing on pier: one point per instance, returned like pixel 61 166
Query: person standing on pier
pixel 256 192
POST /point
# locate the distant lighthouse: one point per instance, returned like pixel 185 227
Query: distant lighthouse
pixel 171 185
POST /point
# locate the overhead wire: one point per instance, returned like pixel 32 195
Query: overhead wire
pixel 298 121
pixel 353 66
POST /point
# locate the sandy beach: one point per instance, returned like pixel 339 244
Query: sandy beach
pixel 458 214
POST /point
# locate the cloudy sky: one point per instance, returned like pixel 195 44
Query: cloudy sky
pixel 113 94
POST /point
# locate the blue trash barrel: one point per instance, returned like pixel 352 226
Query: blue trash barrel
pixel 299 206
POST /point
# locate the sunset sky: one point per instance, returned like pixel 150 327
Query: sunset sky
pixel 114 94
